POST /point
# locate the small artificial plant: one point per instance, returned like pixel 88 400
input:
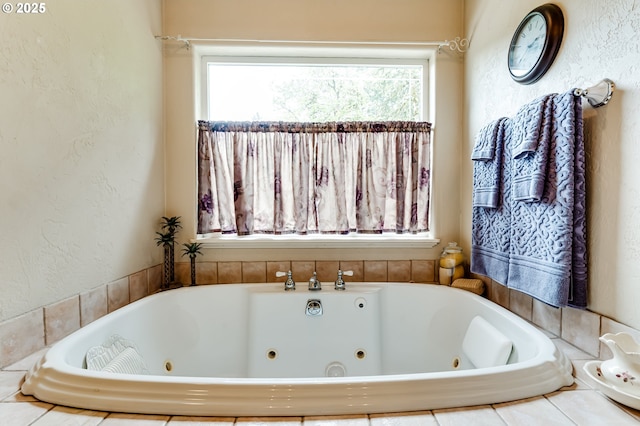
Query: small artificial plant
pixel 167 239
pixel 193 250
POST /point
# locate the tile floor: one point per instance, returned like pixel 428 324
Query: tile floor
pixel 578 404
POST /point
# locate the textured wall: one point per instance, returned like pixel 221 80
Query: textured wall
pixel 600 41
pixel 81 163
pixel 336 20
pixel 294 20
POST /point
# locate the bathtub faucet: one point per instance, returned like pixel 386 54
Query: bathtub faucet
pixel 314 283
pixel 340 284
pixel 289 284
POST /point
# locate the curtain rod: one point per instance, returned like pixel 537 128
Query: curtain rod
pixel 458 44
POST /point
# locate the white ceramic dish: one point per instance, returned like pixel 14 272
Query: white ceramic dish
pixel 612 391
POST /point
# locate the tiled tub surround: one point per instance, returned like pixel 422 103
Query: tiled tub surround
pixel 576 332
pixel 32 331
pixel 578 404
pixel 400 346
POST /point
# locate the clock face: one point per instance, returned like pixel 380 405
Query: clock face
pixel 528 44
pixel 535 43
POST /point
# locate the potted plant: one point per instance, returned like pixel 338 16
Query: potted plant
pixel 170 226
pixel 193 250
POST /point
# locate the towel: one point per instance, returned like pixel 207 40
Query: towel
pixel 534 241
pixel 547 250
pixel 527 125
pixel 490 237
pixel 485 144
pixel 532 131
pixel 487 156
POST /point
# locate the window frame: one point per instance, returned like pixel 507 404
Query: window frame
pixel 316 54
pixel 280 60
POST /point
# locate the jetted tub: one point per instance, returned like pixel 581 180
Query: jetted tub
pixel 256 350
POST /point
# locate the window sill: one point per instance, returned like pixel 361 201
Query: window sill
pixel 319 241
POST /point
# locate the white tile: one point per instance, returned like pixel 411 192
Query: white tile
pixel 473 416
pixel 93 305
pixel 581 377
pixel 70 417
pixel 581 328
pixel 10 382
pixel 520 304
pixel 349 420
pixel 61 319
pixel 269 421
pixel 115 419
pixel 632 411
pixel 530 412
pixel 117 294
pixel 21 336
pixel 201 421
pixel 27 362
pixel 21 413
pixel 572 352
pixel 589 407
pixel 547 317
pixel 424 418
pixel 19 397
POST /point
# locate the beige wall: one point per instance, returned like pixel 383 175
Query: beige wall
pixel 600 40
pixel 81 128
pixel 81 167
pixel 335 20
pixel 358 21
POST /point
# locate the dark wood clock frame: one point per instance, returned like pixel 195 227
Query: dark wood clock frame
pixel 554 18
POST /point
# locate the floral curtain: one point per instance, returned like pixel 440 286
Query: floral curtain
pixel 305 178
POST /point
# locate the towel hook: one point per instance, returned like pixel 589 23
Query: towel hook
pixel 597 95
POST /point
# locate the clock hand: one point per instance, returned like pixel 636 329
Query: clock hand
pixel 534 43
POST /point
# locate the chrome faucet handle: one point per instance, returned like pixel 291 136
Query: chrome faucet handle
pixel 340 284
pixel 314 283
pixel 289 284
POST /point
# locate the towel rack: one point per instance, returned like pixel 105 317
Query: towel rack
pixel 597 95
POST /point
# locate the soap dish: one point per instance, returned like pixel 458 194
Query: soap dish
pixel 592 369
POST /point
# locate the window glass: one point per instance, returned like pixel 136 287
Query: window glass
pixel 314 93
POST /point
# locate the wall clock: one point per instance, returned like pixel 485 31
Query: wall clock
pixel 535 43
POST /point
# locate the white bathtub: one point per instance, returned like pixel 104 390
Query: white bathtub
pixel 252 350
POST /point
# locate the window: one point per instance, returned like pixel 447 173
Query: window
pixel 314 93
pixel 298 89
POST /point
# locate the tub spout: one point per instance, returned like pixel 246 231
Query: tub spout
pixel 314 283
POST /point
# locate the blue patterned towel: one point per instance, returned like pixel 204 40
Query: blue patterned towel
pixel 532 129
pixel 487 164
pixel 484 148
pixel 547 257
pixel 490 231
pixel 537 245
pixel 527 125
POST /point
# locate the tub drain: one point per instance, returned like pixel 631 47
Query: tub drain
pixel 335 369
